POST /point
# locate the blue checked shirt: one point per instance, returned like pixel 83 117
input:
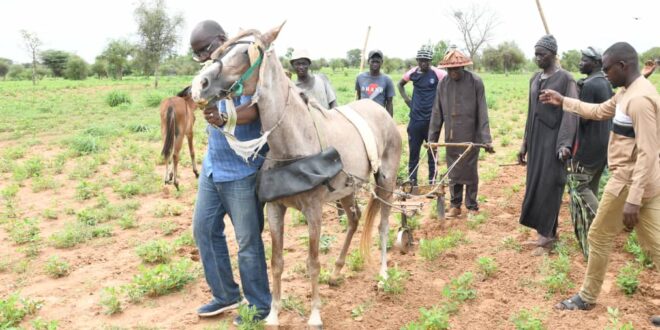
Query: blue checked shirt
pixel 221 160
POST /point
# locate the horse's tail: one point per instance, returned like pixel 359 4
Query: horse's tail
pixel 170 130
pixel 370 214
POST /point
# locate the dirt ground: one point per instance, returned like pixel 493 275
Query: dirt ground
pixel 74 300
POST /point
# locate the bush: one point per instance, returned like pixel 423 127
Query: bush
pixel 116 98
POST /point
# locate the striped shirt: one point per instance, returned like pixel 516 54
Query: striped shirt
pixel 221 160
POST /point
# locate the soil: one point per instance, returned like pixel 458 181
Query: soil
pixel 74 300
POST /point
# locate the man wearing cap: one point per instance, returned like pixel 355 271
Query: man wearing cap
pixel 549 136
pixel 314 85
pixel 374 85
pixel 425 78
pixel 592 136
pixel 460 104
pixel 227 187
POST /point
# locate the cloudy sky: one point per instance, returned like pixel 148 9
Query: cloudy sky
pixel 330 28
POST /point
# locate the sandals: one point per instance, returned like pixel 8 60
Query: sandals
pixel 574 303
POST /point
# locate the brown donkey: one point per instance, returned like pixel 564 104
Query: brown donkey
pixel 176 121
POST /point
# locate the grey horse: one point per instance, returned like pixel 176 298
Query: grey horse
pixel 288 118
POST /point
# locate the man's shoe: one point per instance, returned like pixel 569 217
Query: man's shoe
pixel 655 320
pixel 454 212
pixel 214 308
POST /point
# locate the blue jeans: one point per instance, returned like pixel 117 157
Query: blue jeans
pixel 418 131
pixel 239 200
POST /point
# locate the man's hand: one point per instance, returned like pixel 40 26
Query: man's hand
pixel 649 67
pixel 548 96
pixel 630 215
pixel 521 154
pixel 489 148
pixel 563 153
pixel 212 116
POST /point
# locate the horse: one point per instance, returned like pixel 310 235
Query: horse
pixel 177 119
pixel 292 133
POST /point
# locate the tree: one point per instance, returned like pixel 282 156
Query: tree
pixel 157 32
pixel 392 64
pixel 439 50
pixel 651 54
pixel 32 44
pixel 5 64
pixel 15 72
pixel 353 57
pixel 55 60
pixel 570 60
pixel 100 67
pixel 506 57
pixel 76 68
pixel 337 63
pixel 116 54
pixel 476 25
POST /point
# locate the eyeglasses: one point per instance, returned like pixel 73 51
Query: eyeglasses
pixel 203 54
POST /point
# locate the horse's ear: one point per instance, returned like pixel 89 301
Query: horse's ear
pixel 185 92
pixel 268 37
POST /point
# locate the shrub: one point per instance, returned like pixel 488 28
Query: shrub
pixel 115 98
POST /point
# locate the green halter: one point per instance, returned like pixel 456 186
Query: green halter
pixel 237 87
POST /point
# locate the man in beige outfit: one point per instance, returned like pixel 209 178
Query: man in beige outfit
pixel 632 195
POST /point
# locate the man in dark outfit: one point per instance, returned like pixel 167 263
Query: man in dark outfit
pixel 592 136
pixel 460 104
pixel 425 78
pixel 549 135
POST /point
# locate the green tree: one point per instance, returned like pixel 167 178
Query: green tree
pixel 158 32
pixel 55 60
pixel 5 64
pixel 392 64
pixel 32 44
pixel 337 63
pixel 182 65
pixel 116 54
pixel 15 72
pixel 100 67
pixel 570 60
pixel 76 68
pixel 439 50
pixel 506 57
pixel 353 57
pixel 651 54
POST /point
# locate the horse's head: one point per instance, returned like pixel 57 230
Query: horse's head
pixel 233 68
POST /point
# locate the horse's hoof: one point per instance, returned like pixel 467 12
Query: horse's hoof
pixel 335 281
pixel 315 326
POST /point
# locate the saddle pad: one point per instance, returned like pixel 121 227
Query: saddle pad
pixel 299 176
pixel 367 135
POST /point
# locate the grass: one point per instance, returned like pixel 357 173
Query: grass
pixel 116 98
pixel 511 243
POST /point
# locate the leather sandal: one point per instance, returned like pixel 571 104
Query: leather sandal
pixel 574 303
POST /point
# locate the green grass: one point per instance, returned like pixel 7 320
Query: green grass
pixel 115 98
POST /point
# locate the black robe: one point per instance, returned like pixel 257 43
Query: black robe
pixel 548 128
pixel 461 107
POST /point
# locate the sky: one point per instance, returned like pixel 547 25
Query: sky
pixel 330 28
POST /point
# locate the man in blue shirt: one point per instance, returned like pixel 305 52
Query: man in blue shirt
pixel 425 78
pixel 227 187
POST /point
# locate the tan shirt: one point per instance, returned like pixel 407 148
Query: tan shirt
pixel 633 161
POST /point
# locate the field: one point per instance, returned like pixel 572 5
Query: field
pixel 92 239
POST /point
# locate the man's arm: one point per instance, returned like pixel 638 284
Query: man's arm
pixel 643 115
pixel 437 120
pixel 602 111
pixel 568 127
pixel 402 91
pixel 358 94
pixel 388 106
pixel 245 114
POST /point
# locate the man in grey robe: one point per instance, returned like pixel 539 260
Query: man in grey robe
pixel 548 141
pixel 460 105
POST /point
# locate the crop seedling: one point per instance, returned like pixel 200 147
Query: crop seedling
pixel 433 248
pixel 460 289
pixel 56 267
pixel 511 243
pixel 294 304
pixel 14 308
pixel 110 301
pixel 632 246
pixel 127 221
pixel 628 278
pixel 355 261
pixel 168 227
pixel 527 319
pixel 39 324
pixel 325 243
pixel 556 277
pixel 24 231
pixel 158 251
pixel 249 319
pixel 435 318
pixel 165 278
pixel 394 284
pixel 615 323
pixel 487 266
